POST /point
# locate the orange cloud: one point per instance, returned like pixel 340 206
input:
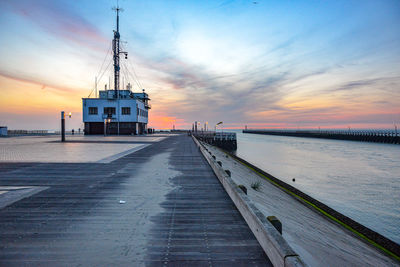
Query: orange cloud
pixel 163 121
pixel 27 104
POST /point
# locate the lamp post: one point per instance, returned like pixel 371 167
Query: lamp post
pixel 63 125
pixel 106 125
pixel 217 125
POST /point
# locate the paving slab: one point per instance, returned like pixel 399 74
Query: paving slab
pixel 77 148
pixel 174 212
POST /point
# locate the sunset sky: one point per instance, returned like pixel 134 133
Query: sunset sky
pixel 259 63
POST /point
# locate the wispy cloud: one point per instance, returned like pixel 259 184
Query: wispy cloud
pixel 43 84
pixel 384 83
pixel 58 19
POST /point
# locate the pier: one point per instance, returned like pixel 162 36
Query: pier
pixel 224 140
pixel 157 200
pixel 153 201
pixel 377 136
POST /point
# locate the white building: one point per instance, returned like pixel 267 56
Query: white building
pixel 116 111
pixel 126 114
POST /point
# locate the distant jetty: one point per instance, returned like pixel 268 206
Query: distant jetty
pixel 224 140
pixel 376 136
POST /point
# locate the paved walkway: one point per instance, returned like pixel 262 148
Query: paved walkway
pixel 77 148
pixel 174 213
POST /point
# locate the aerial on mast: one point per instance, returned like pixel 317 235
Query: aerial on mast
pixel 117 52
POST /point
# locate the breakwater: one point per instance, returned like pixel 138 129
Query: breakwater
pixel 364 136
pixel 224 140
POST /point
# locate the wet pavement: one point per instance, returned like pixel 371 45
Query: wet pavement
pixel 77 148
pixel 174 212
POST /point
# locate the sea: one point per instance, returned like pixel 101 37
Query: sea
pixel 359 179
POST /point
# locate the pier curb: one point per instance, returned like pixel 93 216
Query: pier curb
pixel 275 246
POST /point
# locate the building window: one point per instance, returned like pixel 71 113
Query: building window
pixel 109 111
pixel 92 110
pixel 126 111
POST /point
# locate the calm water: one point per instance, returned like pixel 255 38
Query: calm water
pixel 361 180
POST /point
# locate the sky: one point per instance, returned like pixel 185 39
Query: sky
pixel 264 64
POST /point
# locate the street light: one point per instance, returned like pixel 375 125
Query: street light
pixel 63 125
pixel 217 125
pixel 106 123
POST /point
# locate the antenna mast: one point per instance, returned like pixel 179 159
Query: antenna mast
pixel 116 52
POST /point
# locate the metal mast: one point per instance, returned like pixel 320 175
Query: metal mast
pixel 116 52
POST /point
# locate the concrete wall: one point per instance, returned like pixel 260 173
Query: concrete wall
pixel 275 246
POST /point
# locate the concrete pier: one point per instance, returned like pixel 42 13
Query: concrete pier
pixel 156 205
pixel 387 137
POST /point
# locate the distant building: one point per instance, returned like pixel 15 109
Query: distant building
pixel 116 111
pixel 125 113
pixel 3 131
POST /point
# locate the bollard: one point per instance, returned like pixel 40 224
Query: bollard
pixel 213 157
pixel 228 172
pixel 276 223
pixel 219 163
pixel 244 189
pixel 62 126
